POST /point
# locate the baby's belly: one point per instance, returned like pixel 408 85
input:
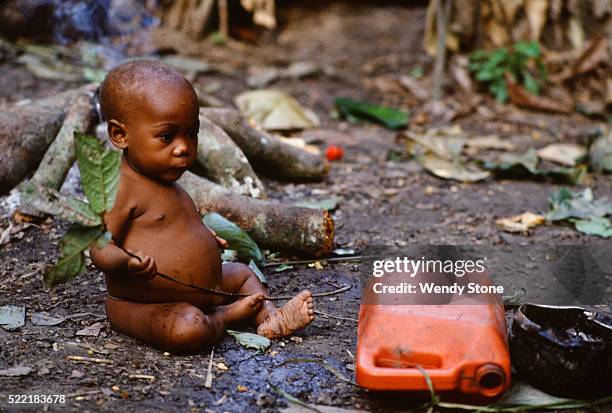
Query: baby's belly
pixel 188 254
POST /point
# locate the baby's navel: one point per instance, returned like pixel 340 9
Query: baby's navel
pixel 161 217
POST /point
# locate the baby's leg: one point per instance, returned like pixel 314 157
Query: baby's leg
pixel 271 321
pixel 175 327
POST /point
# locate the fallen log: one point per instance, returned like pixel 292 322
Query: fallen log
pixel 26 130
pixel 223 162
pixel 268 153
pixel 273 225
pixel 60 155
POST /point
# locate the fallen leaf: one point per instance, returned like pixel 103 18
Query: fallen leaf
pixel 389 117
pixel 275 110
pixel 241 388
pixel 537 14
pixel 521 223
pixel 418 88
pixel 455 170
pixel 565 204
pixel 600 153
pixel 92 330
pixel 16 371
pixel 522 98
pixel 283 267
pixel 526 164
pixel 222 366
pixel 12 317
pixel 563 153
pixel 595 52
pixel 237 238
pixel 45 319
pixel 328 204
pixel 250 340
pixel 257 272
pixel 602 227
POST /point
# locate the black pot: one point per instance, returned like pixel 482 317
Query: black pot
pixel 564 351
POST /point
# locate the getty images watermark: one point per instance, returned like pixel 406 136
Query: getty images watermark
pixel 445 274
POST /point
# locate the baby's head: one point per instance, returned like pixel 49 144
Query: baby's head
pixel 152 114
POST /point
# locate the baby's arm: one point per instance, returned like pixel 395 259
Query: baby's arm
pixel 113 259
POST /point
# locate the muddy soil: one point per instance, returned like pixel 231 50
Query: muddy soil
pixel 382 202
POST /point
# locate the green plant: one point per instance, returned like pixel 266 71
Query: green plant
pixel 522 62
pixel 99 168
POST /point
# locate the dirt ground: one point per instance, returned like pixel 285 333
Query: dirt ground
pixel 382 202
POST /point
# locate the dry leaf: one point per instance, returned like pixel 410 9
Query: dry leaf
pixel 92 330
pixel 16 371
pixel 563 153
pixel 536 11
pixel 522 98
pixel 275 110
pixel 521 223
pixel 417 88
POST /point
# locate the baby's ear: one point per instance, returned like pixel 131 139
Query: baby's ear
pixel 117 134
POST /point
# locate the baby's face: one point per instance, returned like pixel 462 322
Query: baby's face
pixel 162 133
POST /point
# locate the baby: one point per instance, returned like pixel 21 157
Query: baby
pixel 152 115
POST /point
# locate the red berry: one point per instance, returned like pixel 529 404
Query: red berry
pixel 333 153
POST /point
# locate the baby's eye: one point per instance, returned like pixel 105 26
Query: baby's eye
pixel 166 137
pixel 193 134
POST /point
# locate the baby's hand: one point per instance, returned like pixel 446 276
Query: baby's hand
pixel 143 268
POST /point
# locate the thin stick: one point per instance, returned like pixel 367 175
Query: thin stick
pixel 333 259
pixel 231 295
pixel 223 20
pixel 442 14
pixel 208 382
pixel 334 316
pixel 89 359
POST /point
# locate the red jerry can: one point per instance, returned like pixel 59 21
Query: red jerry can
pixel 463 347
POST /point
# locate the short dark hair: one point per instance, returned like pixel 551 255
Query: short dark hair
pixel 128 80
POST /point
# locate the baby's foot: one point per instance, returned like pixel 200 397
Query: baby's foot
pixel 242 309
pixel 295 314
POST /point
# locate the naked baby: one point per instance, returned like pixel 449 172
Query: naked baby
pixel 152 115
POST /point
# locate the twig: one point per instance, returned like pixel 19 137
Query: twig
pixel 82 359
pixel 231 295
pixel 442 14
pixel 83 393
pixel 141 376
pixel 333 259
pixel 223 20
pixel 292 399
pixel 335 316
pixel 209 377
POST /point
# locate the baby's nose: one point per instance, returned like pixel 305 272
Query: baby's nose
pixel 180 149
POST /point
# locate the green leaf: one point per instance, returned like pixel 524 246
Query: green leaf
pixel 55 203
pixel 99 169
pixel 580 205
pixel 528 49
pixel 258 272
pixel 499 90
pixel 72 260
pixel 600 226
pixel 391 118
pixel 283 267
pixel 328 204
pixel 600 154
pixel 65 269
pixel 250 340
pixel 237 238
pixel 12 317
pixel 530 83
pixel 104 239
